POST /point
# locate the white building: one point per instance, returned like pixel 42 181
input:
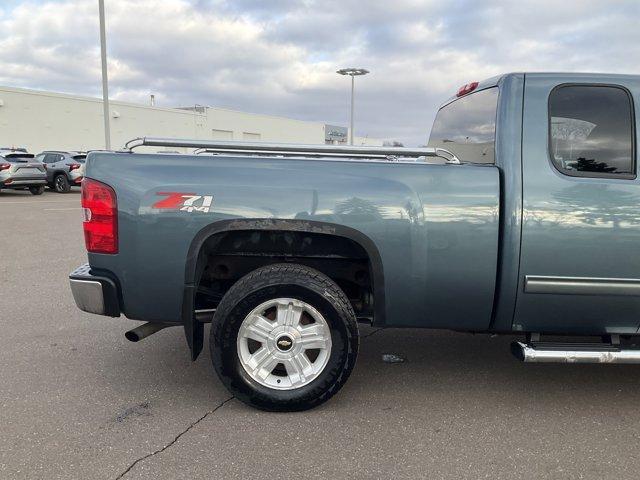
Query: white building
pixel 41 120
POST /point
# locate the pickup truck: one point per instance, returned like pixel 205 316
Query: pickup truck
pixel 521 216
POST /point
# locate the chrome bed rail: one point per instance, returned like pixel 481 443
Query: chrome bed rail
pixel 292 149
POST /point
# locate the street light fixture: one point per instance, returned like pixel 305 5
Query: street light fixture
pixel 352 72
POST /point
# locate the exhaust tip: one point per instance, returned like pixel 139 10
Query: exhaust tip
pixel 132 336
pixel 143 331
pixel 517 350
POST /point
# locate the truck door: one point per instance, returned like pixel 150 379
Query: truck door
pixel 580 253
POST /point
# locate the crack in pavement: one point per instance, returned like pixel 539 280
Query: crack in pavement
pixel 160 450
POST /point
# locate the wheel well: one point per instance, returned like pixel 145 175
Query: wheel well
pixel 227 256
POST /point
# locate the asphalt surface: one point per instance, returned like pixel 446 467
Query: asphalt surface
pixel 79 401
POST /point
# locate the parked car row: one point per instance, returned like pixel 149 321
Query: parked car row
pixel 59 170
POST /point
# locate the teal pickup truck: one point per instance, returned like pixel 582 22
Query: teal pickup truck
pixel 521 216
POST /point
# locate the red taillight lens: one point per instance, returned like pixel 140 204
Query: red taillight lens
pixel 73 166
pixel 5 166
pixel 100 211
pixel 468 88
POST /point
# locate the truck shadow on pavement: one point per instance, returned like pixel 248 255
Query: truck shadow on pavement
pixel 467 364
pixel 438 366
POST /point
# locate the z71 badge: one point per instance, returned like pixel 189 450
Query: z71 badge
pixel 185 202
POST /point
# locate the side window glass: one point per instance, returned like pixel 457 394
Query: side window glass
pixel 591 130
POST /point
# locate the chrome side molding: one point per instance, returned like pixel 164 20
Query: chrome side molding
pixel 212 146
pixel 581 285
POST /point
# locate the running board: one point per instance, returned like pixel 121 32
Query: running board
pixel 574 353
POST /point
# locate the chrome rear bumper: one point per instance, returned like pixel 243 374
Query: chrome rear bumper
pixel 94 293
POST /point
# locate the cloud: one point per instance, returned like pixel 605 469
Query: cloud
pixel 280 56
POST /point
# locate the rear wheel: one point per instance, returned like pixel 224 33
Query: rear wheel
pixel 284 338
pixel 39 190
pixel 61 184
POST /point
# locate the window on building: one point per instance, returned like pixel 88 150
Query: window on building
pixel 591 130
pixel 252 137
pixel 221 134
pixel 467 127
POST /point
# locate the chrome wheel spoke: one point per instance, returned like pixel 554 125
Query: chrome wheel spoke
pixel 262 362
pixel 298 367
pixel 258 329
pixel 289 315
pixel 313 336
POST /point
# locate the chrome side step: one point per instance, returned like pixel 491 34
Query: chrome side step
pixel 574 353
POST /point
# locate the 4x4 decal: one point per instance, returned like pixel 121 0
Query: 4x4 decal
pixel 185 202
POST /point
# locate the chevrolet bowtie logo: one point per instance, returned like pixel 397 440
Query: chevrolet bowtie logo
pixel 284 343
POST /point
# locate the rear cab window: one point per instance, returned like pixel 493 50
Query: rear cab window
pixel 591 131
pixel 467 127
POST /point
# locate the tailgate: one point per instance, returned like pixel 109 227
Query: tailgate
pixel 23 169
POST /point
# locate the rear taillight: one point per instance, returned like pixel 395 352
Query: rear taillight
pixel 100 212
pixel 5 166
pixel 73 166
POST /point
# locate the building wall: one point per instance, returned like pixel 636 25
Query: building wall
pixel 44 120
pixel 248 127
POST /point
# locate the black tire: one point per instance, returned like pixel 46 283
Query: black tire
pixel 61 184
pixel 39 190
pixel 288 281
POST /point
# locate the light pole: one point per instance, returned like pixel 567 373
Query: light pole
pixel 105 83
pixel 352 72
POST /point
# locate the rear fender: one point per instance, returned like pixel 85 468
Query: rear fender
pixel 194 329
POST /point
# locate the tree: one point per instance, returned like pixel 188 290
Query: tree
pixel 591 165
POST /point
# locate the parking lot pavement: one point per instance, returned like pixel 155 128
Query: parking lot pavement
pixel 79 401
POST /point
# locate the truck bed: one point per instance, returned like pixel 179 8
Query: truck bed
pixel 435 227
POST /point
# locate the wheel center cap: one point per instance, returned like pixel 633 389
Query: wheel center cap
pixel 284 343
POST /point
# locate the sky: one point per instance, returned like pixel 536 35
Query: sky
pixel 280 56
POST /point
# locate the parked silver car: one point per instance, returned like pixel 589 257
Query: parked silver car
pixel 19 170
pixel 64 169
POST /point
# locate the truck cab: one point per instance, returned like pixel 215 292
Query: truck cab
pixel 565 147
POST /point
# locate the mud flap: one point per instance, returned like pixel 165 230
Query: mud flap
pixel 193 329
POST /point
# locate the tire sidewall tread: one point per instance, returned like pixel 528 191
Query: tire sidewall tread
pixel 274 281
